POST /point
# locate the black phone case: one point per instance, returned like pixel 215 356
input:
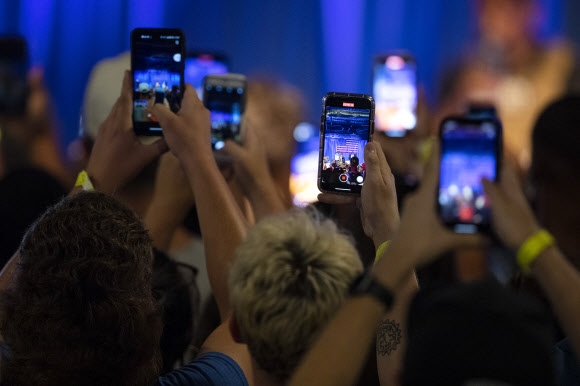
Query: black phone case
pixel 355 189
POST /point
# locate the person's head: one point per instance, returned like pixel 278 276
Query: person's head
pixel 289 277
pixel 274 109
pixel 508 22
pixel 477 333
pixel 555 173
pixel 80 309
pixel 556 146
pixel 175 289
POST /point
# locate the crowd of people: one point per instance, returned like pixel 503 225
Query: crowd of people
pixel 166 265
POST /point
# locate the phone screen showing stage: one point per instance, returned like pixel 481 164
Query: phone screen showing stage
pixel 226 106
pixel 469 152
pixel 395 94
pixel 157 65
pixel 196 68
pixel 346 132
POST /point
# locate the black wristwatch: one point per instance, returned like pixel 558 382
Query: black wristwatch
pixel 366 284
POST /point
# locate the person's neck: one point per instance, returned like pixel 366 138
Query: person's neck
pixel 262 377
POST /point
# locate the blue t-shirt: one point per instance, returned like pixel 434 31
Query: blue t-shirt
pixel 567 369
pixel 209 369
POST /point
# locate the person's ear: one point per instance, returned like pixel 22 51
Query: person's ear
pixel 235 329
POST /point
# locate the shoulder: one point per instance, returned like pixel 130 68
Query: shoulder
pixel 210 368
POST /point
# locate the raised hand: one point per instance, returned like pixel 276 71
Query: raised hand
pixel 188 132
pixel 422 236
pixel 512 218
pixel 250 165
pixel 117 154
pixel 379 212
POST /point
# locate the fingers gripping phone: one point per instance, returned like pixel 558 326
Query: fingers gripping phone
pixel 225 97
pixel 395 93
pixel 471 149
pixel 347 124
pixel 13 70
pixel 157 67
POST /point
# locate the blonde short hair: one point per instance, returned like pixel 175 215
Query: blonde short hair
pixel 290 275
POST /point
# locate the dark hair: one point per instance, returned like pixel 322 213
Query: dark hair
pixel 80 309
pixel 477 331
pixel 556 143
pixel 175 289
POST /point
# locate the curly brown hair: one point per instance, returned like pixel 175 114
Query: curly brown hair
pixel 80 309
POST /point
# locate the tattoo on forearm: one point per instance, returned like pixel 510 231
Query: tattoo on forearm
pixel 388 337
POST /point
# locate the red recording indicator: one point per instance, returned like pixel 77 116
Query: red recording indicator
pixel 347 104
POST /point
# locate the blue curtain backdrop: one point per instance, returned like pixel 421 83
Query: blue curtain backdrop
pixel 319 46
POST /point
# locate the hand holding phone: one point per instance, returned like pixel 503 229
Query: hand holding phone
pixel 471 149
pixel 346 126
pixel 157 64
pixel 225 97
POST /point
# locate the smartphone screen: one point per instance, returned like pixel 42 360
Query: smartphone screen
pixel 395 94
pixel 225 98
pixel 157 66
pixel 470 151
pixel 200 64
pixel 13 72
pixel 346 127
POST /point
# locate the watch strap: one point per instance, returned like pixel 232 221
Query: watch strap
pixel 366 284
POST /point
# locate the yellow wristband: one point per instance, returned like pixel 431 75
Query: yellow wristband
pixel 380 250
pixel 532 247
pixel 84 181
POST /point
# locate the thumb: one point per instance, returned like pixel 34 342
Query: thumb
pixel 372 161
pixel 163 114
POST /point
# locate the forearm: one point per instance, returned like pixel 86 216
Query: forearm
pixel 162 220
pixel 391 334
pixel 223 226
pixel 339 353
pixel 265 200
pixel 561 283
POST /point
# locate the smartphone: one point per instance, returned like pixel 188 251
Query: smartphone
pixel 395 93
pixel 225 98
pixel 157 66
pixel 471 149
pixel 198 64
pixel 477 110
pixel 346 125
pixel 13 72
